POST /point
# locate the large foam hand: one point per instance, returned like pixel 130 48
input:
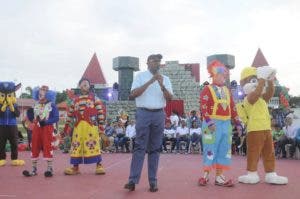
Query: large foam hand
pixel 11 102
pixel 272 75
pixel 265 72
pixel 3 108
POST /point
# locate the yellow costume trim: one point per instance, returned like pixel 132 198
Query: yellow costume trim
pixel 219 101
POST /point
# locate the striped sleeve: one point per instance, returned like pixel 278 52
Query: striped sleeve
pixel 101 113
pixel 70 115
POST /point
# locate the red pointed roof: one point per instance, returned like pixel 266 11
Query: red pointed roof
pixel 259 59
pixel 93 72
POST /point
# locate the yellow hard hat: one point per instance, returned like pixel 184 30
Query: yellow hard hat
pixel 247 72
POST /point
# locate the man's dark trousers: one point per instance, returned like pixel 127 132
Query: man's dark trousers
pixel 149 133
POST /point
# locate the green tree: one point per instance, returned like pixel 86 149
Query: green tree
pixel 27 94
pixel 295 101
pixel 60 97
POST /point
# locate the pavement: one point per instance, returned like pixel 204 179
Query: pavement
pixel 177 178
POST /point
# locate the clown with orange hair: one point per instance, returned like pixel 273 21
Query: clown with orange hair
pixel 217 107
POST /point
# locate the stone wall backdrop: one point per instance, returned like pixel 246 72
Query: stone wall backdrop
pixel 184 87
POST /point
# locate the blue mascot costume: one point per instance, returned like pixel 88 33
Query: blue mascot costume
pixel 8 122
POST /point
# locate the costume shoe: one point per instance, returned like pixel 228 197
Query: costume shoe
pixel 17 162
pixel 273 178
pixel 71 171
pixel 2 163
pixel 250 178
pixel 221 181
pixel 100 170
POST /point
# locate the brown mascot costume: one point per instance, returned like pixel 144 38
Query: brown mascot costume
pixel 258 85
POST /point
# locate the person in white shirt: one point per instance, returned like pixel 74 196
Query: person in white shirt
pixel 130 135
pixel 183 117
pixel 174 119
pixel 290 131
pixel 196 135
pixel 110 132
pixel 151 90
pixel 169 135
pixel 182 134
pixel 193 117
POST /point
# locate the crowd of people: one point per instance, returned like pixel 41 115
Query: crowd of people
pixel 183 134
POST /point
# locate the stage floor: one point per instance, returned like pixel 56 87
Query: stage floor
pixel 177 178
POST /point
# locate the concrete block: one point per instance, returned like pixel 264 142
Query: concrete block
pixel 226 59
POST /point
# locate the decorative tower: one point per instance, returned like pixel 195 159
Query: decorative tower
pixel 93 72
pixel 259 59
pixel 226 59
pixel 125 65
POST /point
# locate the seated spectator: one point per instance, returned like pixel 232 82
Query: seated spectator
pixel 110 133
pixel 242 134
pixel 182 134
pixel 120 134
pixel 123 117
pixel 238 140
pixel 183 117
pixel 196 135
pixel 279 116
pixel 129 136
pixel 278 134
pixel 193 117
pixel 169 136
pixel 290 131
pixel 174 119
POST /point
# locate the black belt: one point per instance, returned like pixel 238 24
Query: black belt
pixel 151 110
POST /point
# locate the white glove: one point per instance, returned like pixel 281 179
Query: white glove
pixel 273 74
pixel 265 72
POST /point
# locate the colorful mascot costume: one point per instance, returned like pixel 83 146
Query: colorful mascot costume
pixel 217 107
pixel 87 113
pixel 8 123
pixel 45 117
pixel 258 85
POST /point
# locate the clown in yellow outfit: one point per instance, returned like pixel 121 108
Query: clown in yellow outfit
pixel 87 113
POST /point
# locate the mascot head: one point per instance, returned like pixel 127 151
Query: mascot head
pixel 251 75
pixel 218 72
pixel 249 79
pixel 7 92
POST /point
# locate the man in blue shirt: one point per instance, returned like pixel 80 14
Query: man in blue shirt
pixel 151 90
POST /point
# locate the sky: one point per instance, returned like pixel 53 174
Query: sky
pixel 51 42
